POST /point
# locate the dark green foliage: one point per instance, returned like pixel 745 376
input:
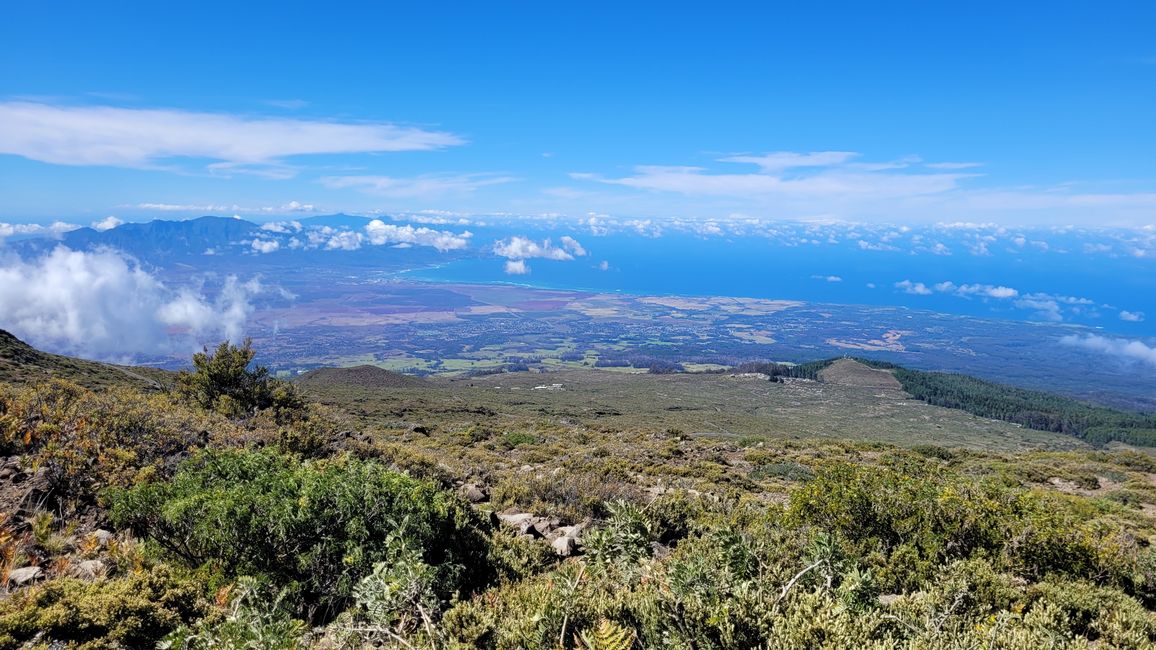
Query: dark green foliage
pixel 934 451
pixel 515 439
pixel 776 371
pixel 784 470
pixel 222 381
pixel 315 527
pixel 1035 410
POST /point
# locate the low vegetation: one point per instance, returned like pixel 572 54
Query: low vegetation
pixel 232 511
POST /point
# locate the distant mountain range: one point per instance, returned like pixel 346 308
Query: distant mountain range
pixel 210 236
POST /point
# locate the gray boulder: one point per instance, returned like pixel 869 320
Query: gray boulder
pixel 24 575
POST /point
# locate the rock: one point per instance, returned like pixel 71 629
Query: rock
pixel 24 575
pixel 659 551
pixel 565 546
pixel 102 536
pixel 90 569
pixel 528 528
pixel 544 526
pixel 515 520
pixel 474 493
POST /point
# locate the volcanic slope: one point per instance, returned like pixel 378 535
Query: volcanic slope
pixel 21 363
pixel 850 401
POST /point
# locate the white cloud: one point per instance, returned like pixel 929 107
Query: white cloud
pixel 987 290
pixel 783 160
pixel 55 229
pixel 266 245
pixel 344 240
pixel 827 278
pixel 148 138
pixel 517 267
pixel 1120 348
pixel 837 184
pixel 107 223
pixel 795 181
pixel 211 208
pixel 379 232
pixel 572 245
pixel 914 288
pixel 1132 316
pixel 104 305
pixel 419 186
pixel 282 227
pixel 873 246
pixel 954 165
pixel 604 265
pixel 1045 308
pixel 520 248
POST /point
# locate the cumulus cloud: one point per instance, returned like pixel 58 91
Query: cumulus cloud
pixel 604 265
pixel 987 290
pixel 1131 316
pixel 517 267
pixel 378 232
pixel 914 288
pixel 520 248
pixel 282 227
pixel 875 246
pixel 343 240
pixel 55 229
pixel 1125 349
pixel 827 278
pixel 104 305
pixel 572 245
pixel 150 138
pixel 107 223
pixel 266 245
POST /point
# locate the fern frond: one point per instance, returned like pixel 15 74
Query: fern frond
pixel 606 636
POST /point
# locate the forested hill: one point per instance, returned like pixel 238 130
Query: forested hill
pixel 1095 425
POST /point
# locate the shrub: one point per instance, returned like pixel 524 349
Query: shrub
pixel 784 470
pixel 222 381
pixel 87 441
pixel 913 517
pixel 132 612
pixel 252 620
pixel 514 439
pixel 316 528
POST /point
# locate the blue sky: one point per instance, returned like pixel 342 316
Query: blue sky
pixel 1020 113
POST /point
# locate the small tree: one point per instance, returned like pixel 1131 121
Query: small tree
pixel 222 381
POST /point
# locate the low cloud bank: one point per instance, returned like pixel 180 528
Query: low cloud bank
pixel 104 305
pixel 1125 349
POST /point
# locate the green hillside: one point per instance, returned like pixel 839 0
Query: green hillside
pixel 20 363
pixel 575 509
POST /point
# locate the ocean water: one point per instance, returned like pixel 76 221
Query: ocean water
pixel 1114 292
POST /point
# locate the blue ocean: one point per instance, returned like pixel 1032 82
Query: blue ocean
pixel 1062 284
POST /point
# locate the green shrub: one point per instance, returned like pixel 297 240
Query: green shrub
pixel 222 381
pixel 316 528
pixel 784 470
pixel 252 620
pixel 136 611
pixel 514 439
